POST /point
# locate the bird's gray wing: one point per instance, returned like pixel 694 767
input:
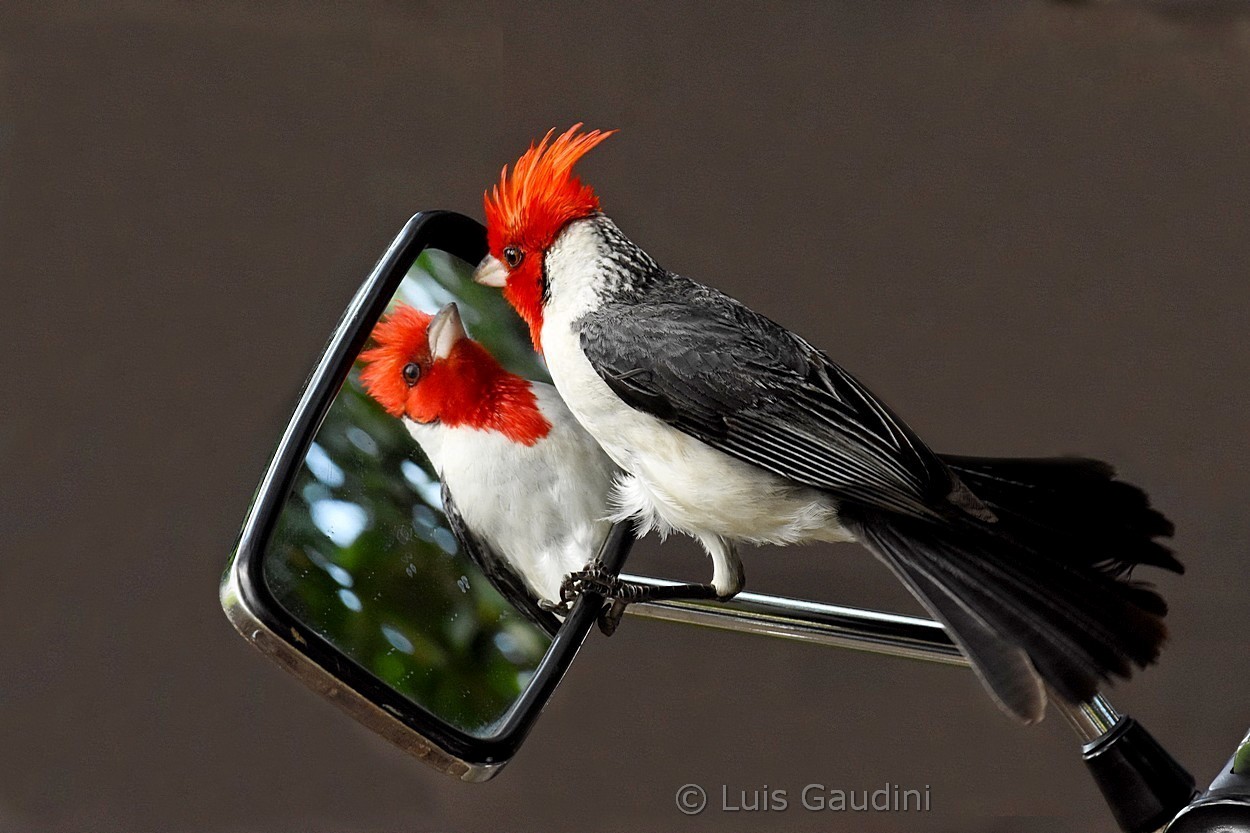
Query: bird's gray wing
pixel 718 371
pixel 506 581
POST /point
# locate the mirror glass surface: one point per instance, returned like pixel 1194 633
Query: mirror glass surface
pixel 363 555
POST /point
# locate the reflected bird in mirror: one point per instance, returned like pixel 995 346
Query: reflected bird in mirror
pixel 524 487
pixel 441 631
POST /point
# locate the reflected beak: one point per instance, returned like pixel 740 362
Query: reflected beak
pixel 445 330
pixel 491 272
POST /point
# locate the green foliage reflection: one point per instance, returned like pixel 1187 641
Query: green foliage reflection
pixel 363 555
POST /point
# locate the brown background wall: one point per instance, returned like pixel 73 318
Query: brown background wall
pixel 1022 223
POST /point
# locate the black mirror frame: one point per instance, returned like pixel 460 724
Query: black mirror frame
pixel 260 619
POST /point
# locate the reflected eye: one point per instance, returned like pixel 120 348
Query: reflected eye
pixel 412 373
pixel 512 256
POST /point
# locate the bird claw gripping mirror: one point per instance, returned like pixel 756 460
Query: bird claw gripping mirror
pixel 357 572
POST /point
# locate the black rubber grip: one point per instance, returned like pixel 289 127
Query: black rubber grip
pixel 1144 785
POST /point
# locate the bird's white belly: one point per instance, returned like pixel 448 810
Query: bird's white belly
pixel 678 482
pixel 527 509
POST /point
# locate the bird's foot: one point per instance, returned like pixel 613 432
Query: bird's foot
pixel 610 616
pixel 619 593
pixel 560 608
pixel 593 579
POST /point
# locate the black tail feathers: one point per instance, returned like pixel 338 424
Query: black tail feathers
pixel 1042 594
pixel 1074 506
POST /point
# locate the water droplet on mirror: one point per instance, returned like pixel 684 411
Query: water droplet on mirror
pixel 463 584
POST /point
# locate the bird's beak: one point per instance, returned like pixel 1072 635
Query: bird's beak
pixel 445 330
pixel 491 272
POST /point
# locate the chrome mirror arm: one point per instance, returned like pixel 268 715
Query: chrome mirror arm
pixel 837 626
pixel 1143 785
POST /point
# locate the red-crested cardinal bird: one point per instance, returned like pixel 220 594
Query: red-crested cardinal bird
pixel 730 428
pixel 525 488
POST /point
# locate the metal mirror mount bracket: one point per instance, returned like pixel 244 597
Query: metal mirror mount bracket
pixel 1144 786
pixel 1225 806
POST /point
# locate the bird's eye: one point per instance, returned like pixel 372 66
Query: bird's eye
pixel 512 256
pixel 412 373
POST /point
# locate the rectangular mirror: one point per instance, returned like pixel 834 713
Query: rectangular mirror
pixel 347 570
